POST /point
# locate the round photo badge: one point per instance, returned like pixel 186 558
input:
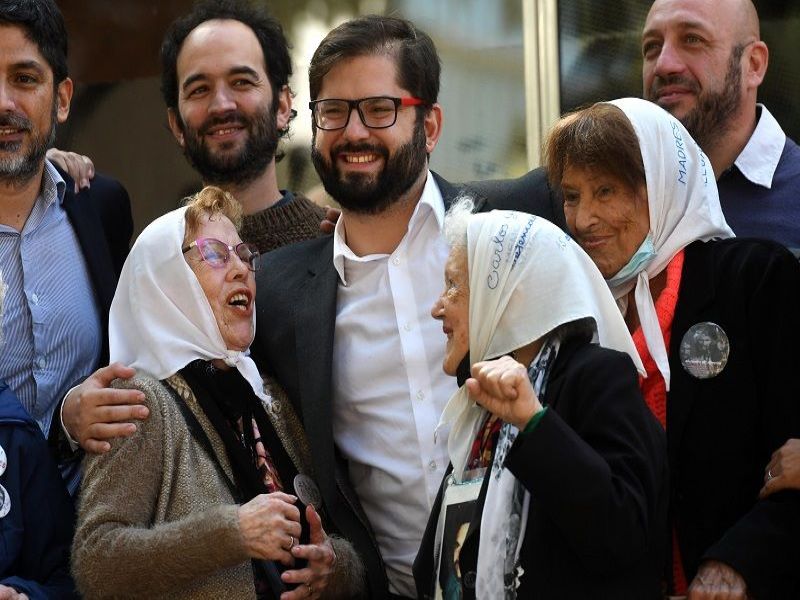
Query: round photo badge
pixel 307 491
pixel 704 350
pixel 5 502
pixel 3 461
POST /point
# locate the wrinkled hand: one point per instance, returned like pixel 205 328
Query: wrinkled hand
pixel 502 387
pixel 717 581
pixel 270 526
pixel 314 578
pixel 77 166
pixel 94 413
pixel 9 593
pixel 783 470
pixel 329 222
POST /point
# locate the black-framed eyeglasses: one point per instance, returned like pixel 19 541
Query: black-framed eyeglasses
pixel 377 112
pixel 217 253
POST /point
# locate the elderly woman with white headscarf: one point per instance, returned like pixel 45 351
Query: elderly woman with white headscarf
pixel 558 468
pixel 716 324
pixel 198 502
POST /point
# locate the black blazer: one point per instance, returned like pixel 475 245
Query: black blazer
pixel 596 469
pixel 101 218
pixel 722 431
pixel 296 311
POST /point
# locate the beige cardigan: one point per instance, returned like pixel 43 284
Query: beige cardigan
pixel 156 519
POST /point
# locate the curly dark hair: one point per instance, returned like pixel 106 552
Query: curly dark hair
pixel 44 26
pixel 265 27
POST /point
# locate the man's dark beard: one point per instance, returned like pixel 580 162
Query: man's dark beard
pixel 234 169
pixel 358 192
pixel 18 170
pixel 710 120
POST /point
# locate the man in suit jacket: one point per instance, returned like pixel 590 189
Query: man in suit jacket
pixel 344 321
pixel 59 253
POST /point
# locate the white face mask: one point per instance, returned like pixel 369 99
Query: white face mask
pixel 638 263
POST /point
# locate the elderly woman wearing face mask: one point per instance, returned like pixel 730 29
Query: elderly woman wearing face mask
pixel 559 469
pixel 716 323
pixel 197 503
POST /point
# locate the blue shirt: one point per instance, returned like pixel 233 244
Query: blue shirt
pixel 51 328
pixel 760 193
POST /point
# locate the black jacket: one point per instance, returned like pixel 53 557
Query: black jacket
pixel 722 431
pixel 595 466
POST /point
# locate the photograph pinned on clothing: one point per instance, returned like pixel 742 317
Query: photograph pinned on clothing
pixel 458 508
pixel 704 350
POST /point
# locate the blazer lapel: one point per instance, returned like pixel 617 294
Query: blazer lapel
pixel 697 290
pixel 315 315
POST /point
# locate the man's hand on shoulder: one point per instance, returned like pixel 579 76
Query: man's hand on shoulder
pixel 332 215
pixel 77 166
pixel 94 413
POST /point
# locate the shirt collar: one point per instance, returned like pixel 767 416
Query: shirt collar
pixel 759 159
pixel 431 200
pixel 53 185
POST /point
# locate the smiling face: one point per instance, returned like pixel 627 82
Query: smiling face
pixel 452 309
pixel 230 289
pixel 364 169
pixel 605 216
pixel 30 104
pixel 693 63
pixel 227 120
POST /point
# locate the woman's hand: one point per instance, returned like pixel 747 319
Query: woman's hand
pixel 321 558
pixel 77 166
pixel 783 470
pixel 502 387
pixel 9 593
pixel 270 526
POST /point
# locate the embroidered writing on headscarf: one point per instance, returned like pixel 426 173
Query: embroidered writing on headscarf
pixel 683 205
pixel 527 278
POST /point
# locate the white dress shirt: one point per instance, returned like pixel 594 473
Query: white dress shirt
pixel 388 385
pixel 760 157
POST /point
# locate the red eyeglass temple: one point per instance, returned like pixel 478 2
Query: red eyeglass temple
pixel 409 101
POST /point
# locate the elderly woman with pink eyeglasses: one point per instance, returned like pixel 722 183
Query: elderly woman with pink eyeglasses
pixel 212 496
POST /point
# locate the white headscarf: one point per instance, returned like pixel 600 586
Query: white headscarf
pixel 526 277
pixel 160 318
pixel 683 203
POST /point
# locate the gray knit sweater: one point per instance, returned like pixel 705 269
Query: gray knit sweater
pixel 156 519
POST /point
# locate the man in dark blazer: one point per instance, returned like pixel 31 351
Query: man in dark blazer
pixel 60 253
pixel 343 321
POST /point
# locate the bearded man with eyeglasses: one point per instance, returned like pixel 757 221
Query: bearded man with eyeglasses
pixel 350 335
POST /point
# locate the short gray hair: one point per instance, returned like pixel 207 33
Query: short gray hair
pixel 456 220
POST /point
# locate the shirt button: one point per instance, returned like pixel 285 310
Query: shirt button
pixel 420 395
pixel 35 298
pixel 396 261
pixel 432 465
pixel 41 362
pixel 407 327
